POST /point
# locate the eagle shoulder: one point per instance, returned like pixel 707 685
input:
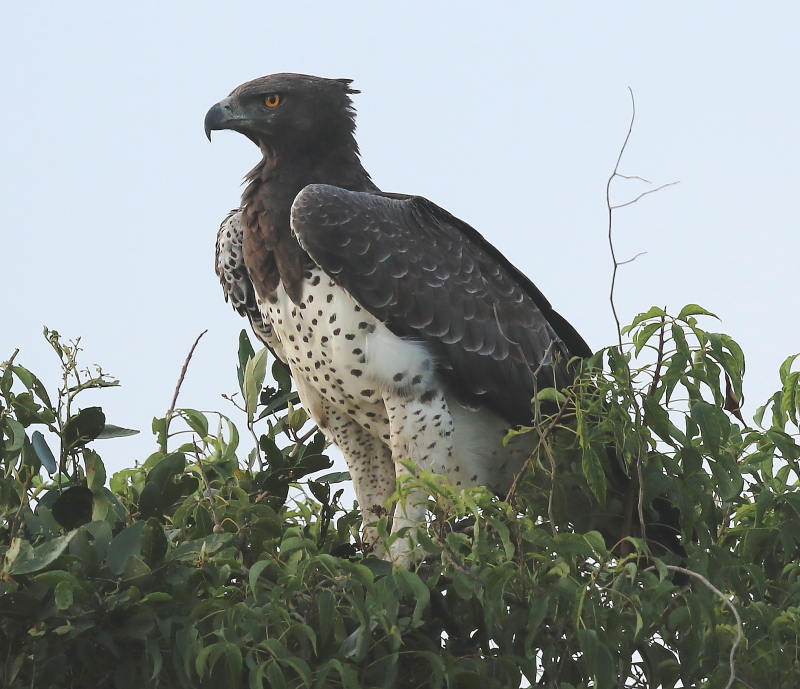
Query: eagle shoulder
pixel 430 276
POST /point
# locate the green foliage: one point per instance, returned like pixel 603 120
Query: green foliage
pixel 206 567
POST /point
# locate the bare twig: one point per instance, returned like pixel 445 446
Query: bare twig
pixel 641 179
pixel 610 214
pixel 631 260
pixel 643 194
pixel 232 400
pixel 727 601
pixel 171 410
pixel 611 208
pixel 299 442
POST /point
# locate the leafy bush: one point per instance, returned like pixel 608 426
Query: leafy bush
pixel 203 567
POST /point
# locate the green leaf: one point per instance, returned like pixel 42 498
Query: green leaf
pixel 505 536
pixel 254 374
pixel 17 435
pixel 280 372
pixel 246 353
pixel 36 559
pixel 63 595
pixel 208 657
pixel 694 310
pixel 111 431
pixel 33 384
pixel 166 469
pixel 126 544
pixel 154 544
pixel 714 425
pixel 334 477
pixel 643 336
pixel 550 395
pixel 536 616
pixel 95 471
pixel 592 469
pixel 44 453
pixel 233 658
pixel 255 572
pixel 275 676
pixel 138 626
pixel 151 502
pixel 55 577
pixel 654 312
pixel 326 605
pixel 197 421
pixel 419 590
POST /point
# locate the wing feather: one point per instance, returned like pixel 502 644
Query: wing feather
pixel 235 280
pixel 432 277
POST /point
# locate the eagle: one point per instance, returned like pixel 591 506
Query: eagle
pixel 409 336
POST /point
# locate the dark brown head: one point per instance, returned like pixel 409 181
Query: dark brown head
pixel 289 112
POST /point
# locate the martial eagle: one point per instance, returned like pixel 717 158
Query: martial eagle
pixel 409 336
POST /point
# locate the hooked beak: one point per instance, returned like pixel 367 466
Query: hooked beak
pixel 219 117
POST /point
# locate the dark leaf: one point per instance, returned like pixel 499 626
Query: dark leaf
pixel 73 507
pixel 246 352
pixel 154 542
pixel 334 477
pixel 151 503
pixel 84 427
pixel 321 491
pixel 166 469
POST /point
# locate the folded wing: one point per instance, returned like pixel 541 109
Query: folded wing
pixel 431 277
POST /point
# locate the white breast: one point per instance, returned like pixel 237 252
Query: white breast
pixel 347 365
pixel 341 355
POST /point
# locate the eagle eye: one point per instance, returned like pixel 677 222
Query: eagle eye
pixel 273 100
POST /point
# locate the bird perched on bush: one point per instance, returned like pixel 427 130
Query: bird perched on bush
pixel 409 336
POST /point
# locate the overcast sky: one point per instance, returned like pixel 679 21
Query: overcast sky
pixel 510 115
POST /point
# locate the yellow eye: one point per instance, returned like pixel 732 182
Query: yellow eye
pixel 273 100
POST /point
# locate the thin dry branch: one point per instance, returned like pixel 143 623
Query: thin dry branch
pixel 171 410
pixel 302 439
pixel 631 260
pixel 611 208
pixel 643 194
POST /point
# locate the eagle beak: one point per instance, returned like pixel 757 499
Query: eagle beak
pixel 219 117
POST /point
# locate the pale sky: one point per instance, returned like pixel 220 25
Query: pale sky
pixel 509 115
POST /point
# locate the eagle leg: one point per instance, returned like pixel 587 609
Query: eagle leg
pixel 421 430
pixel 370 464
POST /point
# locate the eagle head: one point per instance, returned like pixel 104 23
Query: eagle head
pixel 293 112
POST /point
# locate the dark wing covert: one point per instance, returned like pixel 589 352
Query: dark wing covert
pixel 432 277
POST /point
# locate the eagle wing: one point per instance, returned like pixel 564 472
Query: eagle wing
pixel 431 277
pixel 235 280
